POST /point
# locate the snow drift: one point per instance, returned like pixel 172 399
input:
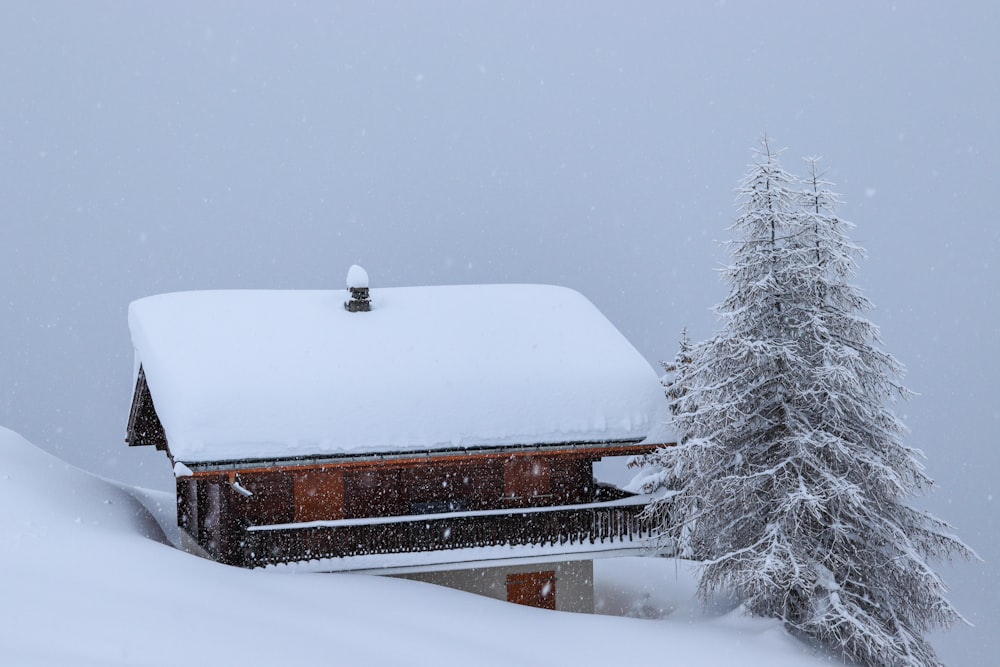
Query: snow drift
pixel 90 578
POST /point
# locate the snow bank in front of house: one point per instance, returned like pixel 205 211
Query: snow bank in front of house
pixel 90 581
pixel 260 374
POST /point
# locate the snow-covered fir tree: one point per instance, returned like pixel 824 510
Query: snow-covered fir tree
pixel 673 372
pixel 653 476
pixel 790 479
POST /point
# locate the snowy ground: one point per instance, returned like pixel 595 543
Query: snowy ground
pixel 90 578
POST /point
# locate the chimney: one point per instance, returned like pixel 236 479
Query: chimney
pixel 357 284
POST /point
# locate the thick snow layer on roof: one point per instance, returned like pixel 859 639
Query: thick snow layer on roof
pixel 271 374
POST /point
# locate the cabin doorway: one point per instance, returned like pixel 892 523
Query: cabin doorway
pixel 533 589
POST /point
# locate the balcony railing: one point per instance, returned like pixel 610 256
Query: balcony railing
pixel 593 524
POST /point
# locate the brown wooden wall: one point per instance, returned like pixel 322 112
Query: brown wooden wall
pixel 213 509
pixel 319 495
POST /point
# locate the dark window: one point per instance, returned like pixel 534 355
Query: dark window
pixel 439 506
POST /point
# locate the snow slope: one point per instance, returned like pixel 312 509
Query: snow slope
pixel 89 578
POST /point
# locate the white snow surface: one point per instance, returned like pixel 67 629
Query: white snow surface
pixel 357 276
pixel 91 580
pixel 245 374
pixel 181 470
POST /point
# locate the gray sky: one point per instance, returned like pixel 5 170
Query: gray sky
pixel 148 148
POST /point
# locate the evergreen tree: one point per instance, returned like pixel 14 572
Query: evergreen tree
pixel 653 476
pixel 790 478
pixel 673 378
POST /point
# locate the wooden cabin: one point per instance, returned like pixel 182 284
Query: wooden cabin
pixel 446 434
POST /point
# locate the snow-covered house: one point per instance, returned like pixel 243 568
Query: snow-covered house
pixel 446 434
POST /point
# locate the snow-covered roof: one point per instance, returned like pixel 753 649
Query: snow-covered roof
pixel 255 374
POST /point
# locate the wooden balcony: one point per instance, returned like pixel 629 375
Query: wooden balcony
pixel 570 527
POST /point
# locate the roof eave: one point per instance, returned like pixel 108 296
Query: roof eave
pixel 595 449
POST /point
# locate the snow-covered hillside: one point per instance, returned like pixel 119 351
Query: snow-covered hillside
pixel 90 578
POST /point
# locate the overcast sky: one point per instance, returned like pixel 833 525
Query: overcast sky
pixel 150 147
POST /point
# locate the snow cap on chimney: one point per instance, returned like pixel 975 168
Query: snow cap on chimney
pixel 357 277
pixel 357 285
